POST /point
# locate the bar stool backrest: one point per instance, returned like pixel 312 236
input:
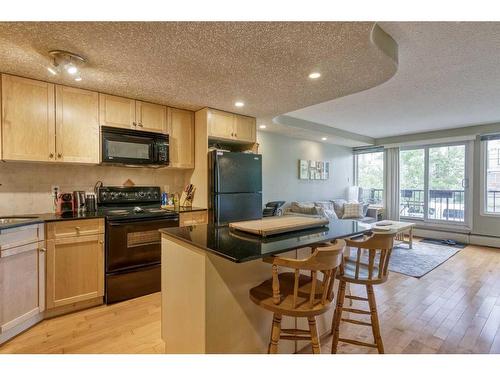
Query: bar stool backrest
pixel 375 266
pixel 325 259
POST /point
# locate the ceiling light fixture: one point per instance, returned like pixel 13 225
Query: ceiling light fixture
pixel 324 138
pixel 314 75
pixel 262 126
pixel 68 61
pixel 71 69
pixel 239 104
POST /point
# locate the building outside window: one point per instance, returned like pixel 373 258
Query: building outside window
pixel 369 174
pixel 492 186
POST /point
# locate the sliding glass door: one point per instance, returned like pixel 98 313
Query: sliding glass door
pixel 433 182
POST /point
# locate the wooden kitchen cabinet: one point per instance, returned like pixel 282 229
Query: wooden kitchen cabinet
pixel 75 261
pixel 28 119
pixel 181 138
pixel 77 125
pixel 22 279
pixel 116 111
pixel 132 114
pixel 231 127
pixel 245 128
pixel 220 124
pixel 151 117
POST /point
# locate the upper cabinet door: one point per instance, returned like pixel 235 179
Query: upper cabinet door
pixel 77 125
pixel 220 124
pixel 117 111
pixel 151 117
pixel 181 138
pixel 27 119
pixel 244 128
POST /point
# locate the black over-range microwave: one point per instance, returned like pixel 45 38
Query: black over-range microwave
pixel 133 147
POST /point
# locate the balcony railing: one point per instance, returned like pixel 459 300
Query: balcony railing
pixel 448 205
pixel 493 202
pixel 374 196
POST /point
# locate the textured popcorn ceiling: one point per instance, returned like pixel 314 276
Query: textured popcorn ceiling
pixel 448 77
pixel 193 65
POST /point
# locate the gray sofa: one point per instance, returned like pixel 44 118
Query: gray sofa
pixel 331 209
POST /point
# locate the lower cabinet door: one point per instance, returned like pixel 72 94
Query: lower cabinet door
pixel 21 285
pixel 75 269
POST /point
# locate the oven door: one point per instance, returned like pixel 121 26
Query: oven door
pixel 134 242
pixel 119 147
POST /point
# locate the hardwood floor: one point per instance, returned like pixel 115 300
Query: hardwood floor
pixel 453 309
pixel 128 327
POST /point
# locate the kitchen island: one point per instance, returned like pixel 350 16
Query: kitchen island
pixel 207 272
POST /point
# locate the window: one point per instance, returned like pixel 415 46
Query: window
pixel 369 174
pixel 433 181
pixel 492 148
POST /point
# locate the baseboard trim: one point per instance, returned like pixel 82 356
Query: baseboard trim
pixel 473 239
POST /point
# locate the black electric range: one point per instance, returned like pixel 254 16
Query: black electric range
pixel 133 242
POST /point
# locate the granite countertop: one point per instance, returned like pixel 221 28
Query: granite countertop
pixel 182 209
pixel 48 217
pixel 239 247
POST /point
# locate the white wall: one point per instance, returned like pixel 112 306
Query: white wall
pixel 280 159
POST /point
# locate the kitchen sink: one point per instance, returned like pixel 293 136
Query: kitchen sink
pixel 15 219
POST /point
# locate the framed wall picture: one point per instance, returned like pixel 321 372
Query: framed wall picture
pixel 314 170
pixel 304 169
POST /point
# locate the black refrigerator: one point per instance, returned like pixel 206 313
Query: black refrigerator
pixel 235 186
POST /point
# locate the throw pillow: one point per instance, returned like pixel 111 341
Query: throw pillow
pixel 330 214
pixel 365 209
pixel 304 208
pixel 338 206
pixel 326 205
pixel 353 211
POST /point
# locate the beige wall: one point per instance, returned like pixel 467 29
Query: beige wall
pixel 25 188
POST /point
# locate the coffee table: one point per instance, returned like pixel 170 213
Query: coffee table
pixel 402 229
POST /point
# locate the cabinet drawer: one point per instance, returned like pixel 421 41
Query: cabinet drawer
pixel 75 228
pixel 20 236
pixel 193 218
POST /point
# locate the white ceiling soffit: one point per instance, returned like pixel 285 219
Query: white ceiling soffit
pixel 197 64
pixel 448 77
pixel 298 128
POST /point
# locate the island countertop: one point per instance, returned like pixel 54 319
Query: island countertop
pixel 239 247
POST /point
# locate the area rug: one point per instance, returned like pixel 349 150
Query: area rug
pixel 420 260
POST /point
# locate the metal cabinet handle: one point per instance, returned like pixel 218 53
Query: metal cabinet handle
pixel 77 229
pixel 42 249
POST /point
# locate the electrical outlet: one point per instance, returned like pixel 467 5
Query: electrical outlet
pixel 55 190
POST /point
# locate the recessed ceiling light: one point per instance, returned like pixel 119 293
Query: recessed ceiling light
pixel 324 138
pixel 239 104
pixel 262 126
pixel 52 70
pixel 71 69
pixel 314 75
pixel 78 79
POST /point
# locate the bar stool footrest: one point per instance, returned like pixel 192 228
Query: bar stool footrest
pixel 357 298
pixel 356 342
pixel 356 311
pixel 354 321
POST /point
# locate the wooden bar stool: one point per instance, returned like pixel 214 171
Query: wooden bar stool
pixel 299 295
pixel 365 269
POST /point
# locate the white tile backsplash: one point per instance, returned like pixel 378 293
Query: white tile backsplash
pixel 25 188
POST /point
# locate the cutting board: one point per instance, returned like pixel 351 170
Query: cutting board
pixel 278 224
